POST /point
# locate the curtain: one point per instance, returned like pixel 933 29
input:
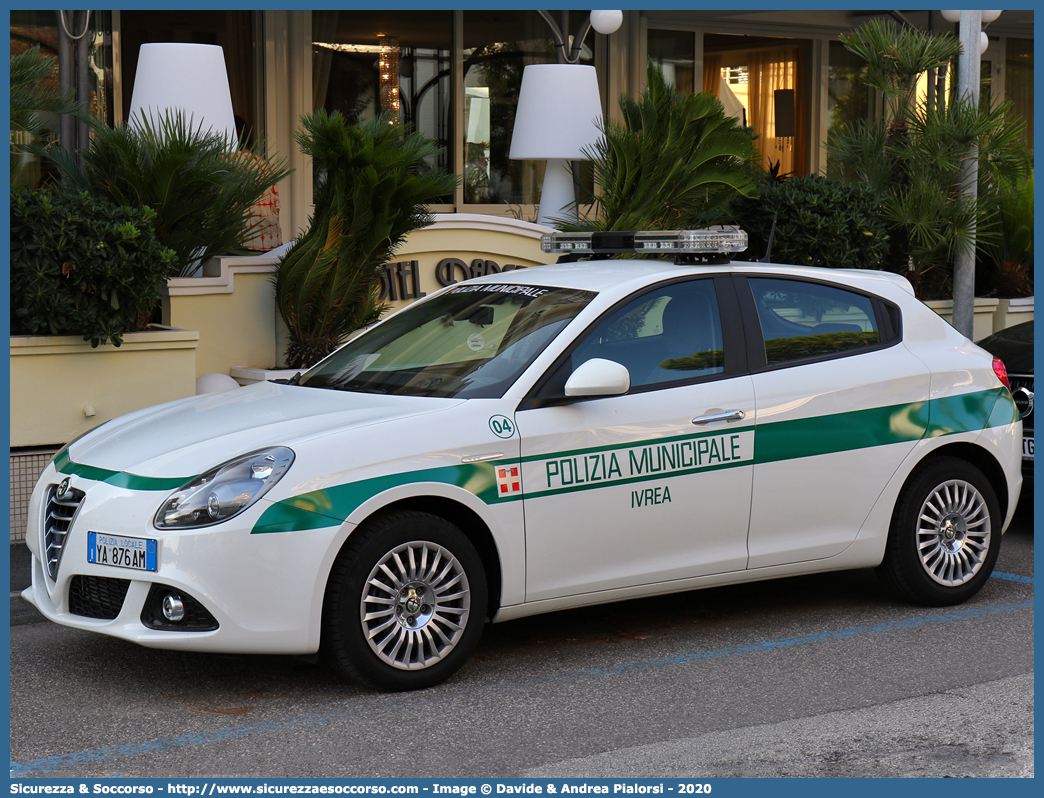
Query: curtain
pixel 239 61
pixel 711 73
pixel 769 70
pixel 324 29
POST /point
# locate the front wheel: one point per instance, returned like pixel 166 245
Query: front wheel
pixel 405 603
pixel 945 534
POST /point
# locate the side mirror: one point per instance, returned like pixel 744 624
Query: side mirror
pixel 598 377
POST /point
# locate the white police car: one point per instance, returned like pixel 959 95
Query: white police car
pixel 568 435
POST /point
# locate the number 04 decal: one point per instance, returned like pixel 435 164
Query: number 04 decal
pixel 502 426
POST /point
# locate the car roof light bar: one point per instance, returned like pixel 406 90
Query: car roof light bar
pixel 719 240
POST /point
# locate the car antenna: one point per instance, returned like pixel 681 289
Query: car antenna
pixel 772 235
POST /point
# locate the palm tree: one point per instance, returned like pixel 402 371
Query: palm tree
pixel 674 163
pixel 913 157
pixel 372 187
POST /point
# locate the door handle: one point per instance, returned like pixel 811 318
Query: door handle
pixel 728 415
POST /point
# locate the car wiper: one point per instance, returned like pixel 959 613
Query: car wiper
pixel 295 380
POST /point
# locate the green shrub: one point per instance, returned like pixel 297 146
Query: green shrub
pixel 83 266
pixel 819 222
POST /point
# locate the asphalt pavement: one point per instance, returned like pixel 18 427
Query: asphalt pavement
pixel 21 577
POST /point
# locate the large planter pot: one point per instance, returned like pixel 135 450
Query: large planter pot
pixel 1010 312
pixel 248 376
pixel 982 322
pixel 62 388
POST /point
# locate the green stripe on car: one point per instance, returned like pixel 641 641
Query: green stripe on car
pixel 120 479
pixel 775 441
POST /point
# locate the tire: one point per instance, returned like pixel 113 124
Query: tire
pixel 405 603
pixel 945 534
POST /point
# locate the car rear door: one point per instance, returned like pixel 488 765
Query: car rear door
pixel 840 404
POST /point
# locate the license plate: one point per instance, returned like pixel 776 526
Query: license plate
pixel 121 552
pixel 1027 447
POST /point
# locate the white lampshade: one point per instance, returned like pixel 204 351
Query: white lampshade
pixel 189 77
pixel 559 112
pixel 951 16
pixel 990 16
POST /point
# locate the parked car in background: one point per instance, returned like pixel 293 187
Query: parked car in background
pixel 565 435
pixel 1014 346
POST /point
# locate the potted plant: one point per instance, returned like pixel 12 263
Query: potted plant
pixel 202 194
pixel 373 184
pixel 85 276
pixel 676 162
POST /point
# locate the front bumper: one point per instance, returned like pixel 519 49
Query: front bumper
pixel 264 592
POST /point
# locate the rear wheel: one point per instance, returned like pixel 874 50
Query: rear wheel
pixel 405 603
pixel 945 534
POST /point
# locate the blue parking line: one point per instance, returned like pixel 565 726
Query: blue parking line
pixel 1026 580
pixel 822 637
pixel 99 755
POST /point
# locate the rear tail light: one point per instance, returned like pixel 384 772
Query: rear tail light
pixel 1001 372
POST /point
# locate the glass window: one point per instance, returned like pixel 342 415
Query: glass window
pixel 802 320
pixel 365 63
pixel 675 53
pixel 472 341
pixel 498 45
pixel 765 82
pixel 40 28
pixel 848 99
pixel 667 335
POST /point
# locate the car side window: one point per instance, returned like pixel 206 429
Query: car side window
pixel 667 335
pixel 801 319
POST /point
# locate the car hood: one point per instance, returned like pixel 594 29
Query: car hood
pixel 189 436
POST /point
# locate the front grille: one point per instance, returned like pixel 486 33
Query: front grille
pixel 59 510
pixel 98 597
pixel 1022 392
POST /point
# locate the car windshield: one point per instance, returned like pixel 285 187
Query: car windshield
pixel 472 341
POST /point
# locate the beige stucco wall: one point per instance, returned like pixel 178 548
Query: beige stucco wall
pixel 62 388
pixel 233 308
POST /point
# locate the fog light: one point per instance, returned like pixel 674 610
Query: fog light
pixel 173 608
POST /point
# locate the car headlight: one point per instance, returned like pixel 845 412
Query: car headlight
pixel 224 491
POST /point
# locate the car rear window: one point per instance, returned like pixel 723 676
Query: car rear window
pixel 801 319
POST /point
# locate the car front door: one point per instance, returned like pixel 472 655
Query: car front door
pixel 652 485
